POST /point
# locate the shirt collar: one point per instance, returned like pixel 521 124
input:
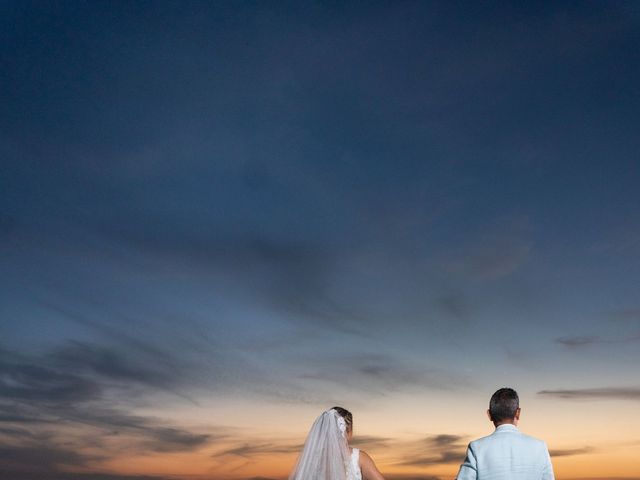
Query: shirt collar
pixel 506 427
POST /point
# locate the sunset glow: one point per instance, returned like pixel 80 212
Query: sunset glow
pixel 220 219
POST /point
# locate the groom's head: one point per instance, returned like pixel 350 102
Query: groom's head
pixel 504 407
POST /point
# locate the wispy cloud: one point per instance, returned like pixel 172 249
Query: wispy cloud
pixel 584 341
pixel 42 457
pixel 287 275
pixel 52 475
pixel 193 359
pixel 606 393
pixel 578 341
pixel 441 449
pixel 124 358
pixel 56 415
pixel 570 452
pixel 109 363
pixel 110 331
pixel 380 373
pixel 258 449
pixel 371 442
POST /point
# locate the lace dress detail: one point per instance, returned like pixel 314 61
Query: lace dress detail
pixel 354 472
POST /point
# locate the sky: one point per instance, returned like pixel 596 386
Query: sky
pixel 219 219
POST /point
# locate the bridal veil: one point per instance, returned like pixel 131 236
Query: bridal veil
pixel 326 454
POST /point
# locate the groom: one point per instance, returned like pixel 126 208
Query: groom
pixel 506 454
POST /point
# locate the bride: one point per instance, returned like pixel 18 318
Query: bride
pixel 327 455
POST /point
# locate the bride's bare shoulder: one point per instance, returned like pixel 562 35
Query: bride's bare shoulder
pixel 368 467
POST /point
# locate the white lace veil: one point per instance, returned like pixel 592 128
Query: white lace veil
pixel 326 454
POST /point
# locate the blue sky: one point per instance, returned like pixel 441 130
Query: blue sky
pixel 239 200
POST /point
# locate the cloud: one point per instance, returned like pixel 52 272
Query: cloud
pixel 583 341
pixel 144 434
pixel 56 414
pixel 443 449
pixel 370 442
pixel 259 449
pixel 379 374
pixel 194 358
pixel 443 458
pixel 160 358
pixel 570 451
pixel 109 363
pixel 15 413
pixel 39 457
pixel 39 452
pixel 171 439
pixel 77 370
pixel 443 440
pixel 251 450
pixel 578 341
pixel 606 393
pixel 110 331
pixel 287 275
pixel 52 475
pixel 24 381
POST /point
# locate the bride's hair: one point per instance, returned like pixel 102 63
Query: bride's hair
pixel 346 414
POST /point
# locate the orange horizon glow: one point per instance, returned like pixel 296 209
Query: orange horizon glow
pixel 585 442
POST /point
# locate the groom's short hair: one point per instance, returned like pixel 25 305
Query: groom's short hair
pixel 504 404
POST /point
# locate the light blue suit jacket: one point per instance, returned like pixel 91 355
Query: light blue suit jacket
pixel 507 454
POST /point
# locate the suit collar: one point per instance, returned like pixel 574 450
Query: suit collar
pixel 507 427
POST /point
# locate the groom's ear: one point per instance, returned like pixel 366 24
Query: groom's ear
pixel 489 415
pixel 517 417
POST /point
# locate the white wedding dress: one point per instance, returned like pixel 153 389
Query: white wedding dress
pixel 354 472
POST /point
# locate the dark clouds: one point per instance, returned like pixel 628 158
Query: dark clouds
pixel 143 355
pixel 46 458
pixel 33 382
pixel 57 412
pixel 604 393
